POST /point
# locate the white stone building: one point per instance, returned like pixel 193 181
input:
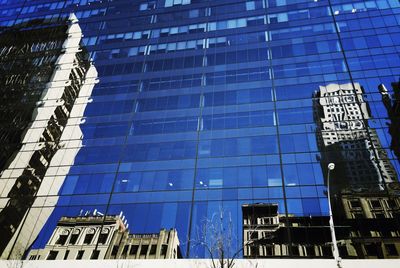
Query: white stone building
pixel 105 237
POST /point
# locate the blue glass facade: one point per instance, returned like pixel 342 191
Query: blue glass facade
pixel 200 105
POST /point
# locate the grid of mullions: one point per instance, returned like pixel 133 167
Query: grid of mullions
pixel 213 104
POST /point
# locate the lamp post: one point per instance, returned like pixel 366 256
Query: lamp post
pixel 331 166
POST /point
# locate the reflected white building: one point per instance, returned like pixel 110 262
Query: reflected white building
pixel 344 137
pixel 31 178
pixel 94 236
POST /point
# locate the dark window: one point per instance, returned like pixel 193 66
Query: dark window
pixel 133 250
pixel 391 250
pixel 164 249
pixel 254 251
pixel 95 254
pixel 371 250
pixel 114 250
pixel 125 250
pixel 379 215
pixel 143 250
pixel 355 204
pixel 269 251
pixel 295 251
pixel 66 254
pixel 88 238
pixel 79 256
pixel 386 233
pixel 153 249
pixel 392 204
pixel 254 235
pixel 103 238
pixel 358 215
pixel 52 255
pixel 375 204
pixel 327 251
pixel 343 251
pixel 310 251
pixel 61 240
pixel 253 220
pixel 365 233
pixel 73 239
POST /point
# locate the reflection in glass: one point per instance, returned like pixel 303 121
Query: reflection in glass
pixel 365 199
pixel 36 127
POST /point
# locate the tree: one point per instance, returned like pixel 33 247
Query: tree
pixel 217 237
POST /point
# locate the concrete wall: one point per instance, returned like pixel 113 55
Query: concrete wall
pixel 278 263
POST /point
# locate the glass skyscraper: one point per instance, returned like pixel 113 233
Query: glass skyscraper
pixel 167 114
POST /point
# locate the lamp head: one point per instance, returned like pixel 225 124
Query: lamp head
pixel 331 166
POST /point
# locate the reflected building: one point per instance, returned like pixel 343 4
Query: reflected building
pixel 344 137
pixel 268 234
pixel 373 217
pixel 361 181
pixel 45 72
pixel 392 105
pixel 96 236
pixel 200 105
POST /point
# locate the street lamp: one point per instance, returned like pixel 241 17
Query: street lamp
pixel 331 166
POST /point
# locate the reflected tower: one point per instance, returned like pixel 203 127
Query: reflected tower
pixel 344 137
pixel 361 198
pixel 46 72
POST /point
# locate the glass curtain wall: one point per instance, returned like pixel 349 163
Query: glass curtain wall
pixel 189 110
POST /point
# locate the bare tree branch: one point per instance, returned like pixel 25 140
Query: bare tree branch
pixel 217 236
